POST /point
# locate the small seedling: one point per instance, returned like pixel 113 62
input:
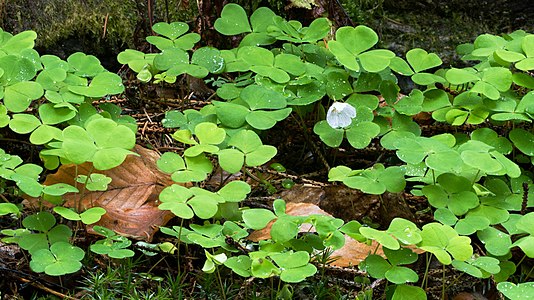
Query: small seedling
pixel 113 245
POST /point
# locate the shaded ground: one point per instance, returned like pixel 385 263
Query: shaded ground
pixel 306 160
pixel 401 25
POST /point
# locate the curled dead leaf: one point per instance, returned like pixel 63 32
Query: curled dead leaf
pixel 131 200
pixel 351 254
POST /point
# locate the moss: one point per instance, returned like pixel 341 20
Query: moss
pixel 175 10
pixel 402 32
pixel 438 28
pixel 55 20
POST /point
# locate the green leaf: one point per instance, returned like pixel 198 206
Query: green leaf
pixel 16 69
pixel 332 137
pixel 246 141
pixel 356 40
pixel 8 208
pixel 260 155
pixel 67 213
pixel 523 140
pixel 426 78
pixel 289 260
pixel 23 123
pixel 467 268
pixel 460 247
pixel 376 60
pixel 263 120
pixel 240 265
pixel 18 96
pixel 260 97
pixel 230 114
pixel 399 275
pixel 410 105
pixel 361 134
pixel 317 30
pixel 486 89
pixel 41 221
pixel 255 56
pixel 405 231
pixel 181 210
pixel 521 291
pixel 436 238
pixel 400 66
pixel 263 268
pixel 284 229
pixel 277 75
pixel 421 60
pixel 526 223
pixel 19 42
pixel 105 83
pixel 228 91
pixel 471 224
pixel 408 292
pixel 96 181
pixel 231 160
pixel 51 115
pixel 490 137
pixel 257 218
pixel 234 191
pixel 172 30
pixel 494 214
pixel 49 78
pixel 204 206
pixel 290 63
pixel 28 185
pixel 500 78
pixel 59 189
pixel 84 65
pixel 175 193
pixel 508 56
pixel 461 76
pixel 209 58
pixel 382 237
pixel 376 266
pixel 92 215
pixel 170 162
pixel 169 58
pixel 33 242
pixel 435 99
pixel 298 274
pixel 233 20
pixel 209 133
pixel 523 80
pixel 481 160
pixel 261 19
pixel 528 44
pixel 526 64
pixel 401 256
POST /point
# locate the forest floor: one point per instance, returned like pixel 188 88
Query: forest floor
pixel 179 276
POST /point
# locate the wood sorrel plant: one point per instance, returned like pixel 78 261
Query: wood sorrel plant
pixel 476 183
pixel 68 129
pixel 472 182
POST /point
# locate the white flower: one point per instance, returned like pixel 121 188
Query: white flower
pixel 340 115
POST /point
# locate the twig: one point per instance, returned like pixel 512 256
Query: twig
pixel 46 289
pixel 105 26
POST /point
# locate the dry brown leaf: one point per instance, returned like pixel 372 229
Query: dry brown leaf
pixel 131 201
pixel 351 254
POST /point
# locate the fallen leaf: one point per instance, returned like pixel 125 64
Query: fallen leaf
pixel 351 254
pixel 131 200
